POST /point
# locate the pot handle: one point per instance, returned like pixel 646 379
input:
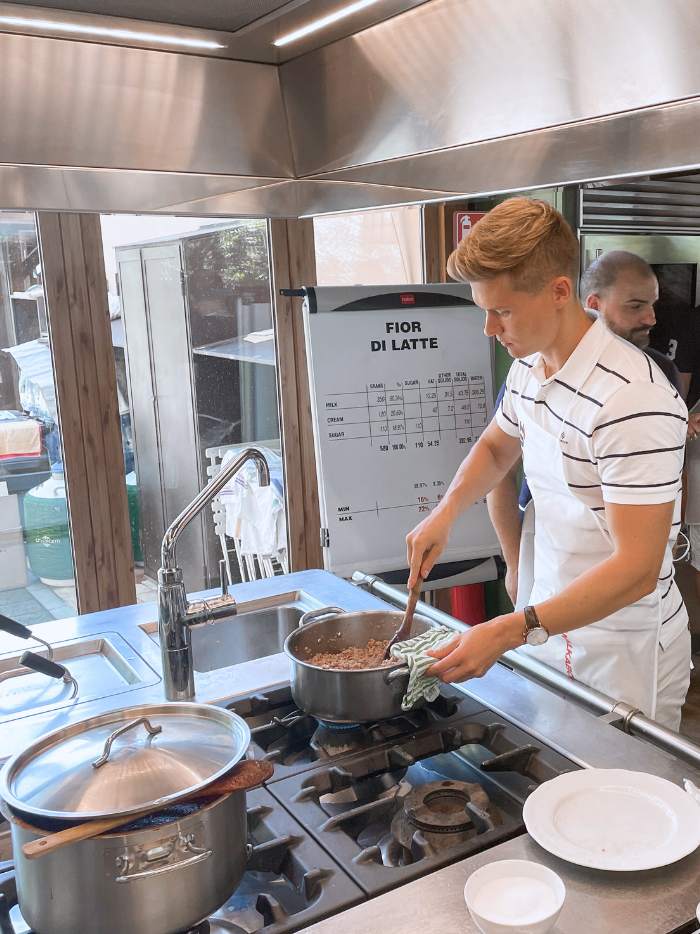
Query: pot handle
pixel 313 615
pixel 152 731
pixel 395 674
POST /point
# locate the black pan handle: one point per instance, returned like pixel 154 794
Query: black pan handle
pixel 14 628
pixel 46 667
pixel 43 665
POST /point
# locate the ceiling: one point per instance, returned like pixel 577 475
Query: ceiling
pixel 245 29
pixel 214 14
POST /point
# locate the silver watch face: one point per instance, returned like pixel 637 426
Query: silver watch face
pixel 537 636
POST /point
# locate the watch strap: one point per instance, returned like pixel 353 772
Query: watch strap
pixel 532 620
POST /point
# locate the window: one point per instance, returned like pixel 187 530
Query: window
pixel 195 356
pixel 36 558
pixel 369 247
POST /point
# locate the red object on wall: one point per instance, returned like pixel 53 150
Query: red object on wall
pixel 462 223
pixel 468 603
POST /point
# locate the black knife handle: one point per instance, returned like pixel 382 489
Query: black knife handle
pixel 14 628
pixel 43 665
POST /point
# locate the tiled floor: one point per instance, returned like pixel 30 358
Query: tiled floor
pixel 38 603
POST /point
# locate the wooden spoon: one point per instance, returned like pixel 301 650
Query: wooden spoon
pixel 404 630
pixel 245 775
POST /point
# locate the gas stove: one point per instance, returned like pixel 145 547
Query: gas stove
pixel 296 742
pixel 353 811
pixel 397 811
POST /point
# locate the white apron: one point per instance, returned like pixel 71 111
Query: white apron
pixel 617 655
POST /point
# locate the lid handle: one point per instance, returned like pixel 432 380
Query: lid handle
pixel 152 731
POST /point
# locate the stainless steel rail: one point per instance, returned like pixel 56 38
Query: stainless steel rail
pixel 618 713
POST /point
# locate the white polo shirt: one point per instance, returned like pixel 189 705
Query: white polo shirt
pixel 621 431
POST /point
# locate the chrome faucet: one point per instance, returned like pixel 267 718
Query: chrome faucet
pixel 175 613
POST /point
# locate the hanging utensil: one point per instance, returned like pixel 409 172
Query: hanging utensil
pixel 404 630
pixel 245 775
pixel 13 628
pixel 49 668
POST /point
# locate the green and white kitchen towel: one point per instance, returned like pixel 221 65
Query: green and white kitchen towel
pixel 415 653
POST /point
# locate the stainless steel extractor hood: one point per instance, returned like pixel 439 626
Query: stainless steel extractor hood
pixel 447 99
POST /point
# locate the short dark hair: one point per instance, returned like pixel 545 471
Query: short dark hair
pixel 603 272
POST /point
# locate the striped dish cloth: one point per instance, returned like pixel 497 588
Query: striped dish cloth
pixel 414 653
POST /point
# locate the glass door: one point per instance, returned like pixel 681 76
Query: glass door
pixel 37 580
pixel 194 349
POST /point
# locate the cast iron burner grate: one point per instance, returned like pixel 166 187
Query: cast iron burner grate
pixel 296 742
pixel 395 812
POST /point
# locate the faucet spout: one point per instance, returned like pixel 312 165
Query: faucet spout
pixel 204 498
pixel 174 611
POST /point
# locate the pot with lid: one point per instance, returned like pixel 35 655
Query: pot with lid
pixel 162 873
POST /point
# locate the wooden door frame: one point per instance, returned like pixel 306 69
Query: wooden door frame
pixel 86 394
pixel 293 265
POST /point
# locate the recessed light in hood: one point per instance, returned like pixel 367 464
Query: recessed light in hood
pixel 324 21
pixel 106 32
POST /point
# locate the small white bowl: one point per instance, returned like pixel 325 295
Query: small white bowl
pixel 514 896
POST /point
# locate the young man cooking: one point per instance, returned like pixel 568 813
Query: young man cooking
pixel 622 289
pixel 602 433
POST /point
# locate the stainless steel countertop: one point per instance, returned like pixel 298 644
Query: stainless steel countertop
pixel 654 902
pixel 575 732
pixel 313 588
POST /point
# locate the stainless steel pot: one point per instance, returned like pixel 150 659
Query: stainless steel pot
pixel 341 696
pixel 160 879
pixel 161 876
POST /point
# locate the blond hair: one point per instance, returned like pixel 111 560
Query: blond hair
pixel 525 238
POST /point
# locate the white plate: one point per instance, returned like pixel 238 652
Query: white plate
pixel 613 819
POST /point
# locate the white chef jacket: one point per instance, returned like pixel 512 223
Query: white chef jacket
pixel 607 427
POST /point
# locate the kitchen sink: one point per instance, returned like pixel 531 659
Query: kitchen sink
pixel 253 632
pixel 103 665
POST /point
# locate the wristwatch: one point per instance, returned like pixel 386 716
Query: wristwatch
pixel 534 632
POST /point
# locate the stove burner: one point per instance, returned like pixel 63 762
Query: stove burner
pixel 330 740
pixel 438 816
pixel 338 727
pixel 446 807
pixel 296 742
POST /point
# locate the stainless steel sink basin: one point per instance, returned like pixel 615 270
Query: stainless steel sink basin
pixel 103 665
pixel 243 638
pixel 254 631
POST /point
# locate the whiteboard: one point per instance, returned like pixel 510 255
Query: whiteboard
pixel 401 381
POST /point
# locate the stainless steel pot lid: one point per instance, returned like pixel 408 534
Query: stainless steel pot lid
pixel 124 761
